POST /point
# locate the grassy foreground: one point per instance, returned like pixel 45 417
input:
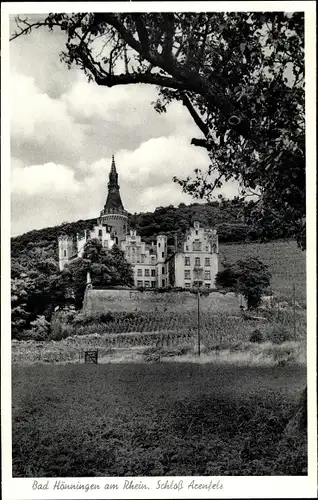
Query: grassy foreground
pixel 155 420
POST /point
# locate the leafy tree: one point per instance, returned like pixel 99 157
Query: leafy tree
pixel 36 287
pixel 240 76
pixel 249 277
pixel 107 268
pixel 124 272
pixel 40 328
pixel 74 277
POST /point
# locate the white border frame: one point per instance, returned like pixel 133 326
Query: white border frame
pixel 234 487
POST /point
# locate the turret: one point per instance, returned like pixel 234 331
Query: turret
pixel 67 250
pixel 161 248
pixel 113 213
pixel 161 258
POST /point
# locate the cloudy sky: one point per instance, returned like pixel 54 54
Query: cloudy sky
pixel 64 131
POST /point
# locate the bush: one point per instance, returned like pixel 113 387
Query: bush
pixel 257 337
pixel 278 334
pixel 106 317
pixel 40 329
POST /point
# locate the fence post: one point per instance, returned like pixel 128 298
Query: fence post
pixel 199 333
pixel 294 306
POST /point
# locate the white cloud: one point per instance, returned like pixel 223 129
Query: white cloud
pixel 161 158
pixel 38 118
pixel 162 195
pixel 50 178
pixel 129 105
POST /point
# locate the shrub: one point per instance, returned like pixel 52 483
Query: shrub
pixel 40 329
pixel 106 317
pixel 257 336
pixel 278 334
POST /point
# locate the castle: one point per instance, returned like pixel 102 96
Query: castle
pixel 191 263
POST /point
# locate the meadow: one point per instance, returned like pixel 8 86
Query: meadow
pixel 163 419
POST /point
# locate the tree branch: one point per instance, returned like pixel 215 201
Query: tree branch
pixel 142 32
pixel 169 32
pixel 198 121
pixel 203 143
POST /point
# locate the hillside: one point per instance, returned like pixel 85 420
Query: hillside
pixel 232 218
pixel 38 287
pixel 286 262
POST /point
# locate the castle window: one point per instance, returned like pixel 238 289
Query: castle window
pixel 147 272
pixel 187 274
pixel 159 245
pixel 187 261
pixel 163 270
pixel 147 284
pixel 207 261
pixel 187 285
pixel 100 232
pixel 207 285
pixel 162 254
pixel 196 246
pixel 153 284
pixel 207 275
pixel 153 272
pixel 139 283
pixel 197 261
pixel 187 248
pixel 214 248
pixel 64 253
pixel 139 272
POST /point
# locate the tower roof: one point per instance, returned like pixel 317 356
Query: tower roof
pixel 113 202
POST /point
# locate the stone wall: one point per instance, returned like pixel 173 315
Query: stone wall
pixel 102 301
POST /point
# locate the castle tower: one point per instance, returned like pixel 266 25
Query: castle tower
pixel 113 213
pixel 161 258
pixel 67 250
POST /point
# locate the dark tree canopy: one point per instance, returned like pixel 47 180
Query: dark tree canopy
pixel 107 269
pixel 240 76
pixel 250 277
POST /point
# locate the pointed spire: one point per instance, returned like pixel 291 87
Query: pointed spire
pixel 113 176
pixel 113 202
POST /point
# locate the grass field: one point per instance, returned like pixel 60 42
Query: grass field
pixel 155 420
pixel 285 260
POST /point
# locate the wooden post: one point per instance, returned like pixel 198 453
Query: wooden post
pixel 199 337
pixel 294 306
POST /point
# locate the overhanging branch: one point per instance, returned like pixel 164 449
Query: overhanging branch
pixel 203 143
pixel 198 121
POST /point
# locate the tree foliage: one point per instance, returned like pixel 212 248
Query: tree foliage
pixel 38 287
pixel 249 277
pixel 240 75
pixel 106 268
